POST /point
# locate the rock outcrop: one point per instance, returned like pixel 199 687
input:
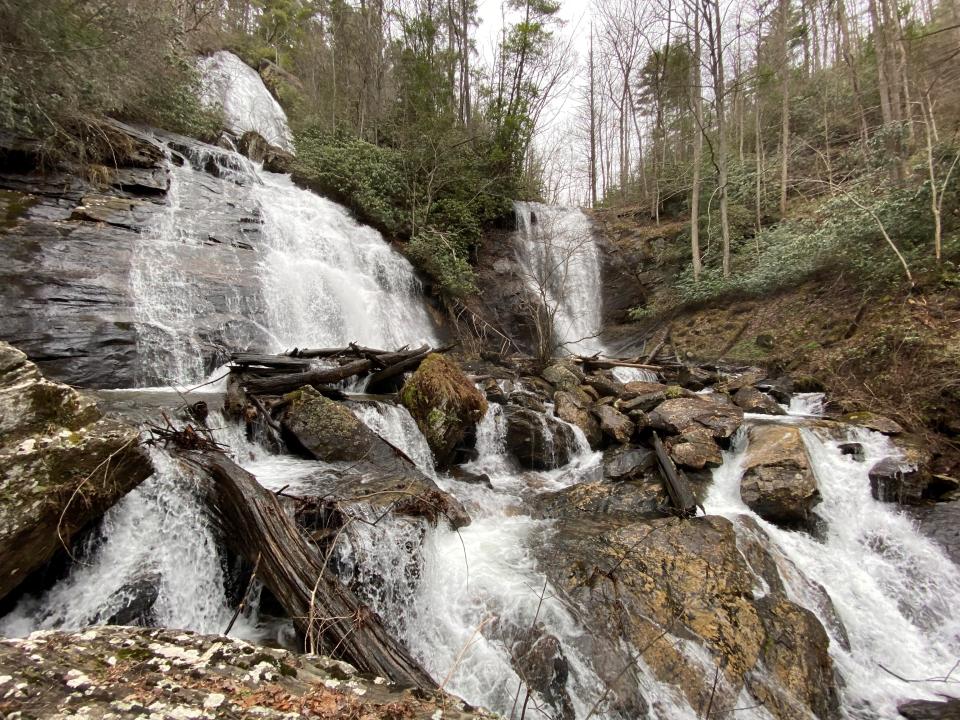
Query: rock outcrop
pixel 445 404
pixel 666 583
pixel 62 465
pixel 778 483
pixel 123 672
pixel 365 468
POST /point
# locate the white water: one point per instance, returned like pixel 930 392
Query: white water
pixel 561 266
pixel 231 84
pixel 894 590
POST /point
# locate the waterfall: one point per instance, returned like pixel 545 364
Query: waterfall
pixel 234 86
pixel 561 265
pixel 893 589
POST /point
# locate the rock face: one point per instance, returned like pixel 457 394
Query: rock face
pixel 941 523
pixel 122 672
pixel 62 465
pixel 752 400
pixel 575 409
pixel 614 424
pixel 445 404
pixel 538 441
pixel 364 465
pixel 677 415
pixel 651 583
pixel 778 483
pixel 74 258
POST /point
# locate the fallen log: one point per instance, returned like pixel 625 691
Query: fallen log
pixel 280 362
pixel 281 384
pixel 600 363
pixel 678 487
pixel 329 615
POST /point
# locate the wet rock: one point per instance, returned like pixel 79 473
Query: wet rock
pixel 744 377
pixel 537 441
pixel 677 415
pixel 494 393
pixel 695 449
pixel 445 404
pixel 604 385
pixel 941 523
pixel 873 421
pixel 780 388
pixel 278 161
pixel 527 400
pixel 134 602
pixel 643 400
pixel 853 449
pixel 539 660
pixel 562 377
pixel 572 408
pixel 458 472
pixel 753 401
pixel 695 378
pixel 62 465
pixel 624 463
pixel 907 479
pixel 930 709
pixel 778 483
pixel 614 424
pixel 680 590
pixel 253 145
pixel 605 504
pixel 124 672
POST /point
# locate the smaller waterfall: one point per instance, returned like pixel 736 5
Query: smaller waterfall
pixel 395 425
pixel 561 265
pixel 894 590
pixel 247 104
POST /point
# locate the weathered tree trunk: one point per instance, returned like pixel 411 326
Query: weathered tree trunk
pixel 677 485
pixel 286 383
pixel 330 616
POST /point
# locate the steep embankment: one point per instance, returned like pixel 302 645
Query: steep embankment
pixel 892 351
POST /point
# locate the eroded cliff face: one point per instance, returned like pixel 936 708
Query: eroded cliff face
pixel 80 247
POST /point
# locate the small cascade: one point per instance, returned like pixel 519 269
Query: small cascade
pixel 155 552
pixel 561 264
pixel 395 425
pixel 231 84
pixel 892 589
pixel 628 374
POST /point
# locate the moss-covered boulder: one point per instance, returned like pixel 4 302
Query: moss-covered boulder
pixel 444 403
pixel 62 465
pixel 329 431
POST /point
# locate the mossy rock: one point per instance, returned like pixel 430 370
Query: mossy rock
pixel 444 403
pixel 327 430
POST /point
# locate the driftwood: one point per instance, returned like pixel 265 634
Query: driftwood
pixel 602 363
pixel 678 487
pixel 396 369
pixel 280 384
pixel 329 615
pixel 279 362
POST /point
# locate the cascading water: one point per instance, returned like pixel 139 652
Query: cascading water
pixel 247 105
pixel 893 590
pixel 561 266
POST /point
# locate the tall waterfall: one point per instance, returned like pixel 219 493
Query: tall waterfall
pixel 561 267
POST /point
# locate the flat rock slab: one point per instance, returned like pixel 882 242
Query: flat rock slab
pixel 123 672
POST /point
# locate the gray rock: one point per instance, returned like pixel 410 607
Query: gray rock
pixel 574 409
pixel 753 401
pixel 930 709
pixel 537 441
pixel 677 415
pixel 614 424
pixel 562 377
pixel 625 463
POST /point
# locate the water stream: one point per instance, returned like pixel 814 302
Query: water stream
pixel 459 600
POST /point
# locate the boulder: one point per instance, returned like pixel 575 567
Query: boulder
pixel 742 378
pixel 752 400
pixel 574 409
pixel 930 709
pixel 604 385
pixel 494 393
pixel 445 404
pixel 253 145
pixel 363 465
pixel 780 388
pixel 625 462
pixel 278 161
pixel 614 424
pixel 853 449
pixel 562 377
pixel 695 449
pixel 604 504
pixel 643 401
pixel 676 415
pixel 872 421
pixel 778 483
pixel 132 603
pixel 941 523
pixel 536 440
pixel 62 465
pixel 681 592
pixel 539 659
pixel 458 472
pixel 527 400
pixel 125 673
